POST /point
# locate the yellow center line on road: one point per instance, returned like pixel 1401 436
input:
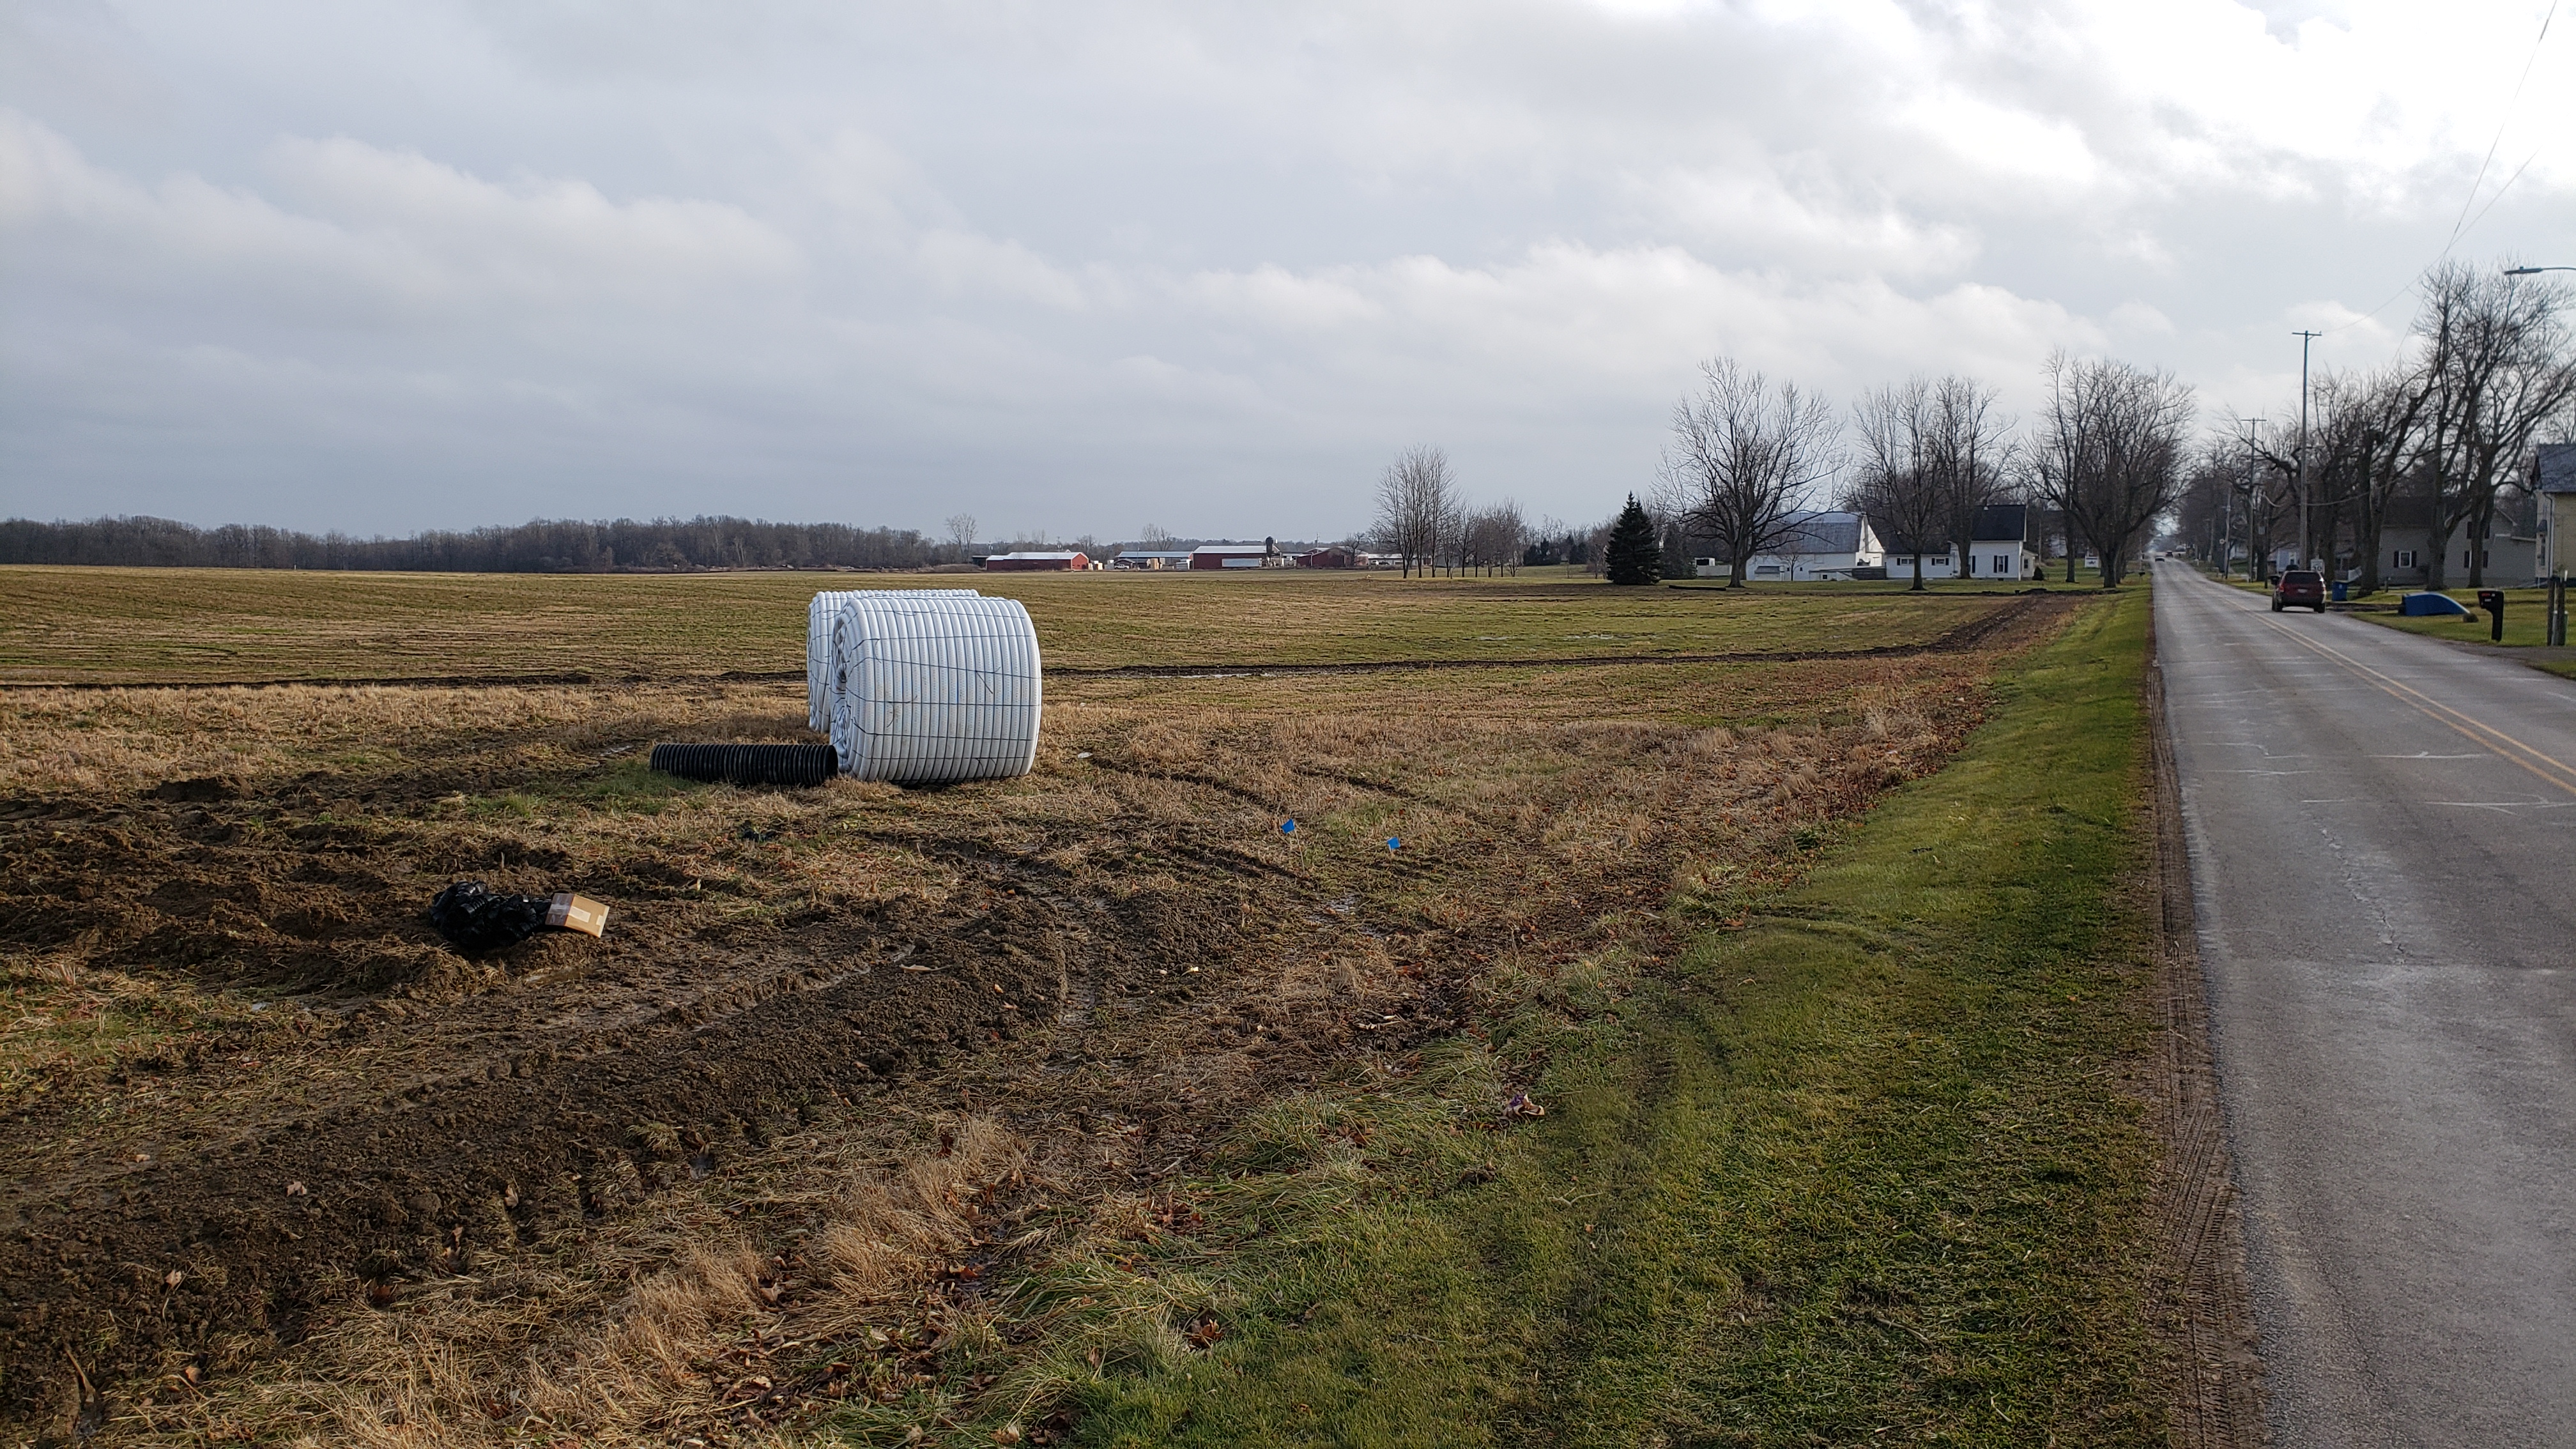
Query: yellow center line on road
pixel 2556 771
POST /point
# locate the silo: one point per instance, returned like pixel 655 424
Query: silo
pixel 818 644
pixel 932 689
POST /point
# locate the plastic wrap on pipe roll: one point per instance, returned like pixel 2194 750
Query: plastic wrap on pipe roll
pixel 928 691
pixel 819 614
pixel 748 764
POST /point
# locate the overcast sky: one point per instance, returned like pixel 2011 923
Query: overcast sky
pixel 1082 267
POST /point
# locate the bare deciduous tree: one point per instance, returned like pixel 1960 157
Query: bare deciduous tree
pixel 2109 451
pixel 2499 371
pixel 1931 455
pixel 1895 486
pixel 2365 431
pixel 1743 458
pixel 1491 538
pixel 1967 450
pixel 1417 504
pixel 961 534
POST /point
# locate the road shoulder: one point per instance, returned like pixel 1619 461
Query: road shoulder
pixel 2203 1311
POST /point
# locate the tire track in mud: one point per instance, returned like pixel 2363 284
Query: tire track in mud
pixel 420 1176
pixel 414 1174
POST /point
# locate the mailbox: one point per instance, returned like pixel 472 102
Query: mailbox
pixel 2492 600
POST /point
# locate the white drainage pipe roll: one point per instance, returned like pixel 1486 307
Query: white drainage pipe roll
pixel 929 690
pixel 819 615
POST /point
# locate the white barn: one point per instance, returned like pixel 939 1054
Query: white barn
pixel 1820 545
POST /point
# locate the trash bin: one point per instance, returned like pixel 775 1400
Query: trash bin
pixel 2342 591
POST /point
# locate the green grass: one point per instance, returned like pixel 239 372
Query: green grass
pixel 2526 625
pixel 1855 1168
pixel 159 625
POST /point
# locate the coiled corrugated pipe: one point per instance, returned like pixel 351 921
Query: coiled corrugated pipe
pixel 818 643
pixel 930 690
pixel 748 764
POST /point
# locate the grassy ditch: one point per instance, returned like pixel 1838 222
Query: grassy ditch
pixel 1854 1162
pixel 2526 627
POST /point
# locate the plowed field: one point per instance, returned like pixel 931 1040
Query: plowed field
pixel 850 1065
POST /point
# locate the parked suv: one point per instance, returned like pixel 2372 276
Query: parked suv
pixel 2299 586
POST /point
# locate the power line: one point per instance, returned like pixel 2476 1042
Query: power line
pixel 2502 122
pixel 2465 222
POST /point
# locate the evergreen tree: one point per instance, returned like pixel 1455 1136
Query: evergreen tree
pixel 1635 555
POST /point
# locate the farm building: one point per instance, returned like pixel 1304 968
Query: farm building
pixel 1236 556
pixel 1003 563
pixel 1999 547
pixel 1815 546
pixel 1328 558
pixel 1151 558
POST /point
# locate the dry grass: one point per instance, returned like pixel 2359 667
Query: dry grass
pixel 160 625
pixel 967 1242
pixel 818 1290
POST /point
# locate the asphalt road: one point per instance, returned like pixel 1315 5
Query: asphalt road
pixel 2383 850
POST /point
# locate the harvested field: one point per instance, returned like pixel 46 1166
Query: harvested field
pixel 161 626
pixel 825 1134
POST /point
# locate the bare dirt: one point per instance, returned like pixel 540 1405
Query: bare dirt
pixel 310 1088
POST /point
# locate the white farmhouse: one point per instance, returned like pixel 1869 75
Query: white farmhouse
pixel 1998 547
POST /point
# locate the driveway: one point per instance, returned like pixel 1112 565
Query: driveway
pixel 2383 849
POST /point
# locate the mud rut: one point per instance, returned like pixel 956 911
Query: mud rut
pixel 512 1114
pixel 433 1133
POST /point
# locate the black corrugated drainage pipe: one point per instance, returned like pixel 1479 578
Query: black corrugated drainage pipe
pixel 749 764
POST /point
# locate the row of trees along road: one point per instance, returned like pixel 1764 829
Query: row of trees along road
pixel 1748 456
pixel 2439 435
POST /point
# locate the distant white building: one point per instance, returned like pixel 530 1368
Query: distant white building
pixel 1822 545
pixel 1038 560
pixel 1999 548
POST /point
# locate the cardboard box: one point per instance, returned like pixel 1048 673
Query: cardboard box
pixel 577 913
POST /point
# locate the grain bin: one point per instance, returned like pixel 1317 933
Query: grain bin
pixel 930 689
pixel 818 643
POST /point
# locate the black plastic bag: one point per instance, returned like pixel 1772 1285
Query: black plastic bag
pixel 475 918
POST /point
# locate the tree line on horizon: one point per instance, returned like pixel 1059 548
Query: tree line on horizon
pixel 662 545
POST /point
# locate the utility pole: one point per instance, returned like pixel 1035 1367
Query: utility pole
pixel 2307 513
pixel 2252 570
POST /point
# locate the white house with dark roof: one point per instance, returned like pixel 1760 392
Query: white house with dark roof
pixel 1998 547
pixel 1821 545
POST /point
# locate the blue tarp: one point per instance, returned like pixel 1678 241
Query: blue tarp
pixel 2423 604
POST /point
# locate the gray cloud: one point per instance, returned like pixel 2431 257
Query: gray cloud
pixel 1077 267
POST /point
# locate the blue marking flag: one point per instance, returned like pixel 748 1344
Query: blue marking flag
pixel 1288 827
pixel 1394 844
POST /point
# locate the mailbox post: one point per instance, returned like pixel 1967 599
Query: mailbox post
pixel 2557 630
pixel 2492 600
